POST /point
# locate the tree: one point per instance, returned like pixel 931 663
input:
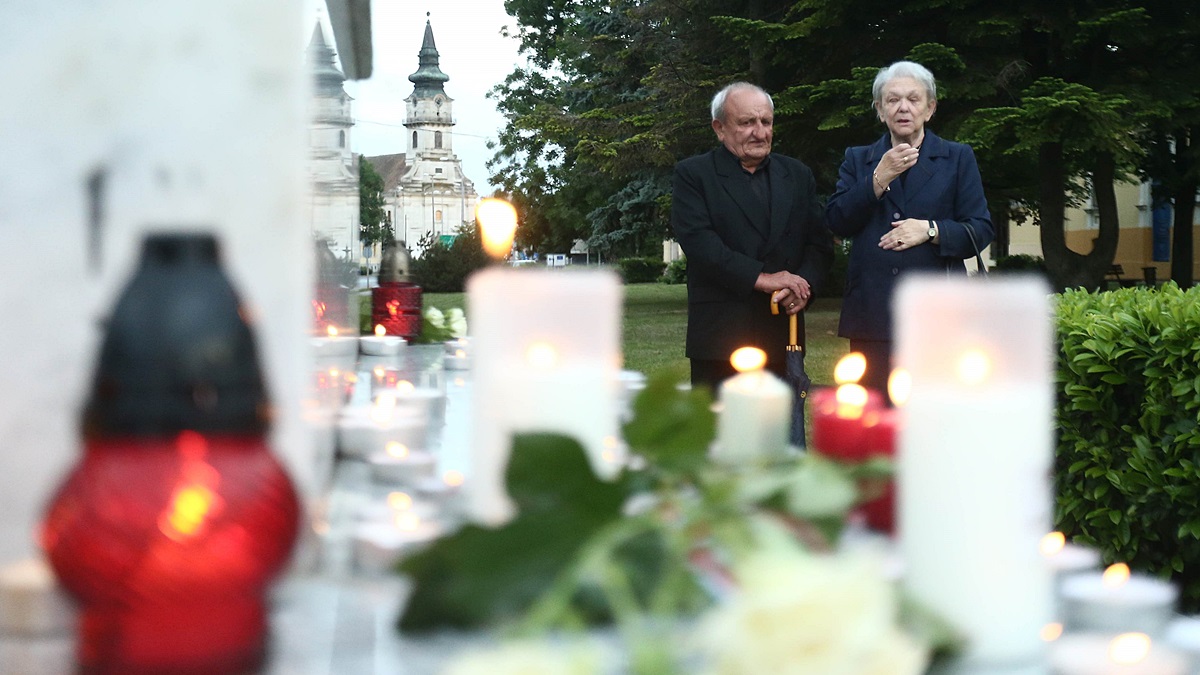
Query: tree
pixel 373 224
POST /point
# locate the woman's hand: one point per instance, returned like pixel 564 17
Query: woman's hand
pixel 894 162
pixel 905 234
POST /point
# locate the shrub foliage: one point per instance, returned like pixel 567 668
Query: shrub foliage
pixel 1128 458
pixel 640 270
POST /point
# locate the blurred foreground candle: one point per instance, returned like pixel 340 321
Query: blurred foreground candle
pixel 756 412
pixel 1107 654
pixel 178 516
pixel 975 460
pixel 545 353
pixel 1117 601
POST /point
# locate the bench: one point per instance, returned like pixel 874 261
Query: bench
pixel 1115 272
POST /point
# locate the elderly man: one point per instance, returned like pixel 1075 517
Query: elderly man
pixel 752 227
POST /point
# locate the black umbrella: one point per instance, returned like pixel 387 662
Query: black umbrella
pixel 796 376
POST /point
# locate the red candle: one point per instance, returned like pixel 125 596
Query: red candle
pixel 880 427
pixel 839 429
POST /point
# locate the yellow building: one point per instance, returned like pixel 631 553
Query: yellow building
pixel 1136 245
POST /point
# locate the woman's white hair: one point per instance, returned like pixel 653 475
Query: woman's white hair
pixel 911 69
pixel 718 101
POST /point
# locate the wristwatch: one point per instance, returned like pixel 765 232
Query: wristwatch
pixel 933 231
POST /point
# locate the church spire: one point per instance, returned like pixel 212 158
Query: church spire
pixel 326 77
pixel 429 77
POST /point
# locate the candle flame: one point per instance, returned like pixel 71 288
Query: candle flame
pixel 1052 543
pixel 452 478
pixel 331 330
pixel 379 372
pixel 1051 632
pixel 397 450
pixel 459 382
pixel 746 359
pixel 1127 649
pixel 399 501
pixel 850 368
pixel 380 331
pixel 460 353
pixel 407 521
pixel 899 386
pixel 1116 575
pixel 974 366
pixel 497 226
pixel 851 401
pixel 405 387
pixel 541 356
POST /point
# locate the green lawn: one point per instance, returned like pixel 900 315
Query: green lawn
pixel 656 318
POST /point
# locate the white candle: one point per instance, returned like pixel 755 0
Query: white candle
pixel 976 455
pixel 379 546
pixel 546 356
pixel 421 400
pixel 335 346
pixel 1117 601
pixel 1106 654
pixel 31 602
pixel 1066 558
pixel 363 430
pixel 399 464
pixel 381 344
pixel 755 412
pixel 459 359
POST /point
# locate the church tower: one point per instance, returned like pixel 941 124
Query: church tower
pixel 332 170
pixel 433 198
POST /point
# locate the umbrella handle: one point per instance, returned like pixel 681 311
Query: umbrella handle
pixel 792 330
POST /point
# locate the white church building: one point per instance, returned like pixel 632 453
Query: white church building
pixel 333 172
pixel 427 193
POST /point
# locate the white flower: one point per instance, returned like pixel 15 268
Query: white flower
pixel 527 658
pixel 457 322
pixel 435 317
pixel 819 490
pixel 796 614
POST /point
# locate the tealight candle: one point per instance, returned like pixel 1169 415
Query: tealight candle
pixel 429 402
pixel 1118 601
pixel 334 344
pixel 755 416
pixel 379 546
pixel 1105 654
pixel 381 344
pixel 459 359
pixel 398 464
pixel 366 430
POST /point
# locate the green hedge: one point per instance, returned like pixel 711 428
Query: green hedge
pixel 1128 458
pixel 640 270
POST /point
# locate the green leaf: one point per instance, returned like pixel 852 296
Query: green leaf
pixel 479 577
pixel 672 428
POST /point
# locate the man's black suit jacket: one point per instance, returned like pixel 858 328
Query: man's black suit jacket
pixel 729 239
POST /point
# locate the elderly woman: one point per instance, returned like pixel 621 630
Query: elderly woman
pixel 910 201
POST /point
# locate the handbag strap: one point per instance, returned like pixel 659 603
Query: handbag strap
pixel 975 246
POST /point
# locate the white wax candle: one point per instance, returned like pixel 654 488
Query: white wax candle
pixel 335 346
pixel 545 352
pixel 459 359
pixel 379 546
pixel 31 602
pixel 1141 603
pixel 406 469
pixel 361 433
pixel 1097 654
pixel 976 454
pixel 755 418
pixel 381 345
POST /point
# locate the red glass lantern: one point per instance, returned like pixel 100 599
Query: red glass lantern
pixel 396 301
pixel 170 529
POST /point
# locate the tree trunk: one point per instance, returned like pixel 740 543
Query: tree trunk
pixel 1000 222
pixel 1066 268
pixel 1182 251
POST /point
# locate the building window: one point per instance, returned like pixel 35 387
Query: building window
pixel 341 139
pixel 438 170
pixel 437 140
pixel 438 216
pixel 414 140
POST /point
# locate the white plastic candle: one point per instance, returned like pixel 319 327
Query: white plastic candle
pixel 976 458
pixel 545 348
pixel 755 412
pixel 381 344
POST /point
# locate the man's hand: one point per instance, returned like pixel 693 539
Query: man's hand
pixel 790 291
